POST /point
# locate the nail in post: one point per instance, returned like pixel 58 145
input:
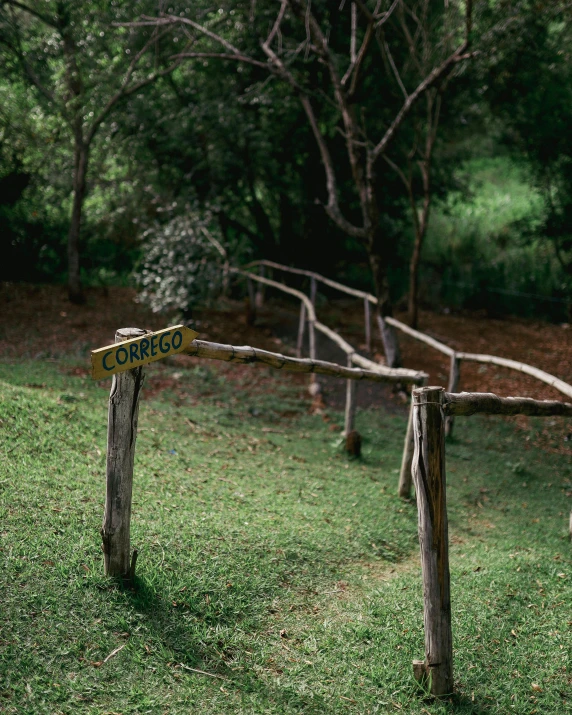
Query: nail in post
pixel 430 484
pixel 121 436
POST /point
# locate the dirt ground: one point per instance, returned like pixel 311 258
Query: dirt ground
pixel 38 322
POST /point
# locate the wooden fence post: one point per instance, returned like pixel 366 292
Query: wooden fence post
pixel 351 386
pixel 251 305
pixel 454 375
pixel 301 327
pixel 312 340
pixel 121 436
pixel 259 299
pixel 404 489
pixel 367 325
pixel 430 484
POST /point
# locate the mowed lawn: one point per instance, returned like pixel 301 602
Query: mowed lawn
pixel 285 571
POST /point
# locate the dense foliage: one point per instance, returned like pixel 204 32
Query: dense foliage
pixel 183 263
pixel 232 137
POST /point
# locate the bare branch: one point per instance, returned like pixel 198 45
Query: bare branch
pixel 222 56
pixel 393 67
pixel 39 15
pixel 353 55
pixel 332 207
pixel 432 78
pixel 125 90
pixel 398 171
pixel 387 14
pixel 276 27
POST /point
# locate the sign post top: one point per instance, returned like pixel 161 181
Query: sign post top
pixel 126 355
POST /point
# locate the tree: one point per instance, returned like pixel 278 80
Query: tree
pixel 429 35
pixel 528 86
pixel 81 68
pixel 307 49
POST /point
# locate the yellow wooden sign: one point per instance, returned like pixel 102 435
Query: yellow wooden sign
pixel 120 357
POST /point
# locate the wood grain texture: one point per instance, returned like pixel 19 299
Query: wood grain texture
pixel 471 403
pixel 121 437
pixel 245 354
pixel 430 486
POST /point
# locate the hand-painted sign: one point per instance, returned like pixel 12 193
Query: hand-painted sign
pixel 140 351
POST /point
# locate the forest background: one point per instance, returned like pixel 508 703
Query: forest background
pixel 136 137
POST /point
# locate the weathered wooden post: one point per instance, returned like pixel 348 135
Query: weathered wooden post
pixel 367 325
pixel 121 436
pixel 313 290
pixel 301 327
pixel 259 299
pixel 251 304
pixel 404 488
pixel 314 384
pixel 454 376
pixel 436 671
pixel 351 386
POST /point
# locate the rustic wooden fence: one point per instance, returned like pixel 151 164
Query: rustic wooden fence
pixel 430 419
pixel 122 427
pixel 455 357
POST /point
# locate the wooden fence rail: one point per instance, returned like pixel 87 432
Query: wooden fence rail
pixel 455 357
pixel 245 354
pixel 402 375
pixel 546 377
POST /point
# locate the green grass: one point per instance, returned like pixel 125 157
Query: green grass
pixel 267 557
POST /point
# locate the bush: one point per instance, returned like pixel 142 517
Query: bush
pixel 183 263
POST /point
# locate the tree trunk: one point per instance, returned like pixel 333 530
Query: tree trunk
pixel 413 300
pixel 81 156
pixel 385 309
pixel 420 231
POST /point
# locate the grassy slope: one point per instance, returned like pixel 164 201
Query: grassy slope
pixel 267 558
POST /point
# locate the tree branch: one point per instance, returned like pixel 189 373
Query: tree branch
pixel 433 77
pixel 125 90
pixel 222 56
pixel 39 15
